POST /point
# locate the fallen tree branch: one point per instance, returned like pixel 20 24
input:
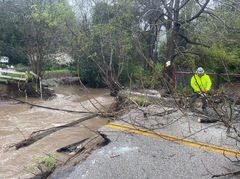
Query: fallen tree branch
pixel 103 114
pixel 32 139
pixel 45 107
pixel 166 112
pixel 44 174
pixel 225 174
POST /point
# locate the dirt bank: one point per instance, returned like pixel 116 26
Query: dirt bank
pixel 21 121
pixel 22 89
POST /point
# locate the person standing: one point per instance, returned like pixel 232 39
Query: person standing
pixel 201 84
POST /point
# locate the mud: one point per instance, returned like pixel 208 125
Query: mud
pixel 22 89
pixel 233 91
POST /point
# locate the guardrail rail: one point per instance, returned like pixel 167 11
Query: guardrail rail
pixel 24 75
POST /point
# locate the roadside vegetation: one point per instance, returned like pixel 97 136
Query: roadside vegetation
pixel 132 45
pixel 43 167
pixel 121 43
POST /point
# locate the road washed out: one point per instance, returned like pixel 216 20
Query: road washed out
pixel 20 120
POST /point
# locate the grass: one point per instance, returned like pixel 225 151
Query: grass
pixel 47 160
pixel 64 70
pixel 57 73
pixel 42 164
pixel 3 80
pixel 140 100
pixel 12 75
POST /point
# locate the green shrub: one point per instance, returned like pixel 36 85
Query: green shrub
pixel 3 65
pixel 22 68
pixel 147 78
pixel 46 161
pixel 141 100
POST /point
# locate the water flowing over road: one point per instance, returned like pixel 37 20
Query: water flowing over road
pixel 20 120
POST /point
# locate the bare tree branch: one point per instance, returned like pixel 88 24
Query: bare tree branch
pixel 199 12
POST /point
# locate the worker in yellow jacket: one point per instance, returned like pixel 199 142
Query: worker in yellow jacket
pixel 201 84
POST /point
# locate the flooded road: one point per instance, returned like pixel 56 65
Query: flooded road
pixel 20 120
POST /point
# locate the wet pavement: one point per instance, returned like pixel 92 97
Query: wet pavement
pixel 157 141
pixel 153 147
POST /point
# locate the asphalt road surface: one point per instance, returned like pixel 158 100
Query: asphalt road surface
pixel 175 146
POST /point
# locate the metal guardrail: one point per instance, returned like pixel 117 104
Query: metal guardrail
pixel 25 74
pixel 220 74
pixel 217 75
pixel 3 74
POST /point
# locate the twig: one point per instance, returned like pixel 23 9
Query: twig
pixel 225 174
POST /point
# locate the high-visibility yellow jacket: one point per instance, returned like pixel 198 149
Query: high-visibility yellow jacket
pixel 202 83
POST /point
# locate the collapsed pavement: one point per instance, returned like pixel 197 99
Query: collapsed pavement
pixel 164 118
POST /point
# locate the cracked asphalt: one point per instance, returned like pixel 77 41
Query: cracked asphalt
pixel 170 146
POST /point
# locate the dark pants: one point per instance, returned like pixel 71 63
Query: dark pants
pixel 194 98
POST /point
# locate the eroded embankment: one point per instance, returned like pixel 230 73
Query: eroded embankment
pixel 65 135
pixel 22 89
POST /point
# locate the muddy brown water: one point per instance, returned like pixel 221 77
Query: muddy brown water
pixel 19 120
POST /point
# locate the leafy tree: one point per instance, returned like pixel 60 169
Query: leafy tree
pixel 191 29
pixel 10 36
pixel 44 30
pixel 175 17
pixel 108 42
pixel 219 29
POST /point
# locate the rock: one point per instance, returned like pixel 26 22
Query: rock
pixel 60 81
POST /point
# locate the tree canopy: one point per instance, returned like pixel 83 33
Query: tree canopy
pixel 123 41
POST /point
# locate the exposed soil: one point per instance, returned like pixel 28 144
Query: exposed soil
pixel 233 91
pixel 22 89
pixel 68 148
pixel 232 88
pixel 22 121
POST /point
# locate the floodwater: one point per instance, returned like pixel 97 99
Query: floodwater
pixel 20 120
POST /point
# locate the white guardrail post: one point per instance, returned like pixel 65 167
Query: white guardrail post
pixel 26 75
pixel 4 72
